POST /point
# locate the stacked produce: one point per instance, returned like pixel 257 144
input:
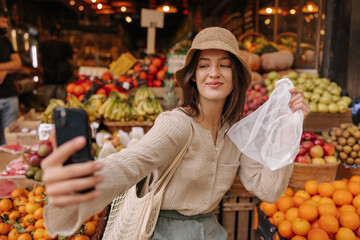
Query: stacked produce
pixel 265 55
pixel 328 210
pixel 256 95
pixel 22 217
pixel 322 95
pixel 346 139
pixel 34 160
pixel 47 115
pixel 146 106
pixel 116 108
pixel 149 73
pixel 313 149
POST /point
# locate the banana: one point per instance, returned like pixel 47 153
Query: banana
pixel 108 110
pixel 115 109
pixel 121 111
pixel 105 105
pixel 140 110
pixel 150 93
pixel 148 108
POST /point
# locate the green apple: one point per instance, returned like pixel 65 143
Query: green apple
pixel 346 99
pixel 315 97
pixel 307 95
pixel 335 98
pixel 333 108
pixel 309 85
pixel 323 108
pixel 342 106
pixel 313 107
pixel 272 75
pixel 325 100
pixel 293 75
pixel 318 90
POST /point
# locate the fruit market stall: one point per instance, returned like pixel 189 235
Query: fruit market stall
pixel 122 107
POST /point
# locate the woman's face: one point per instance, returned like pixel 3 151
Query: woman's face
pixel 213 75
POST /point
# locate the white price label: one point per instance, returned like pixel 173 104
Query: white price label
pixel 175 61
pixel 44 131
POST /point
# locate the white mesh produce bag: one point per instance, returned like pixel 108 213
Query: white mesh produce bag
pixel 271 135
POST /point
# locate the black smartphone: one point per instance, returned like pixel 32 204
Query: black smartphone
pixel 70 123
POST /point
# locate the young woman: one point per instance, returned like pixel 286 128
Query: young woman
pixel 214 80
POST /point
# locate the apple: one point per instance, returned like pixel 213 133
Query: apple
pixel 330 159
pixel 303 159
pixel 318 160
pixel 316 151
pixel 308 136
pixel 319 141
pixel 35 159
pixel 329 149
pixel 307 144
pixel 45 148
pixel 302 150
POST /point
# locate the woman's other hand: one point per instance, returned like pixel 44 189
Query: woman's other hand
pixel 298 101
pixel 63 182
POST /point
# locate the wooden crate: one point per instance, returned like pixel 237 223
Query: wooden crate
pixel 236 216
pixel 346 172
pixel 318 122
pixel 13 134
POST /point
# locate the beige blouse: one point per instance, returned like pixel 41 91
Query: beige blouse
pixel 204 175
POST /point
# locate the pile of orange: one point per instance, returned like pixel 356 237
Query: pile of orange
pixel 320 211
pixel 21 217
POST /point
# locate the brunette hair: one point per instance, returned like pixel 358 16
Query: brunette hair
pixel 234 104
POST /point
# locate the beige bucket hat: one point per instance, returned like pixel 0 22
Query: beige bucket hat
pixel 214 38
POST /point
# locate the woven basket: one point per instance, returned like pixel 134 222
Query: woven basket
pixel 345 171
pixel 127 126
pixel 238 189
pixel 100 227
pixel 306 171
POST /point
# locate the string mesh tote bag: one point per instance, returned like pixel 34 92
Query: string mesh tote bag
pixel 271 135
pixel 134 217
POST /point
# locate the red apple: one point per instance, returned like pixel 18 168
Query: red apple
pixel 330 159
pixel 35 160
pixel 329 149
pixel 302 150
pixel 308 136
pixel 316 151
pixel 319 141
pixel 307 144
pixel 303 159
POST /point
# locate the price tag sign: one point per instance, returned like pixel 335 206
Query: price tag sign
pixel 174 62
pixel 44 131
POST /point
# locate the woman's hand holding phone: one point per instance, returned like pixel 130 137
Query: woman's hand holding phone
pixel 63 183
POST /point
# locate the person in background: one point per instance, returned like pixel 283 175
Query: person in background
pixel 214 81
pixel 56 68
pixel 10 62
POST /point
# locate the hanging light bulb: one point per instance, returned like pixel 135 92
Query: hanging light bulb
pixel 99 6
pixel 123 9
pixel 167 8
pixel 72 3
pixel 93 1
pixel 128 19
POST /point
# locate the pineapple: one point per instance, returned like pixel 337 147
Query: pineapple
pixel 170 99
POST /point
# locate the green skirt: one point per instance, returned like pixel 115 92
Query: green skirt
pixel 172 225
